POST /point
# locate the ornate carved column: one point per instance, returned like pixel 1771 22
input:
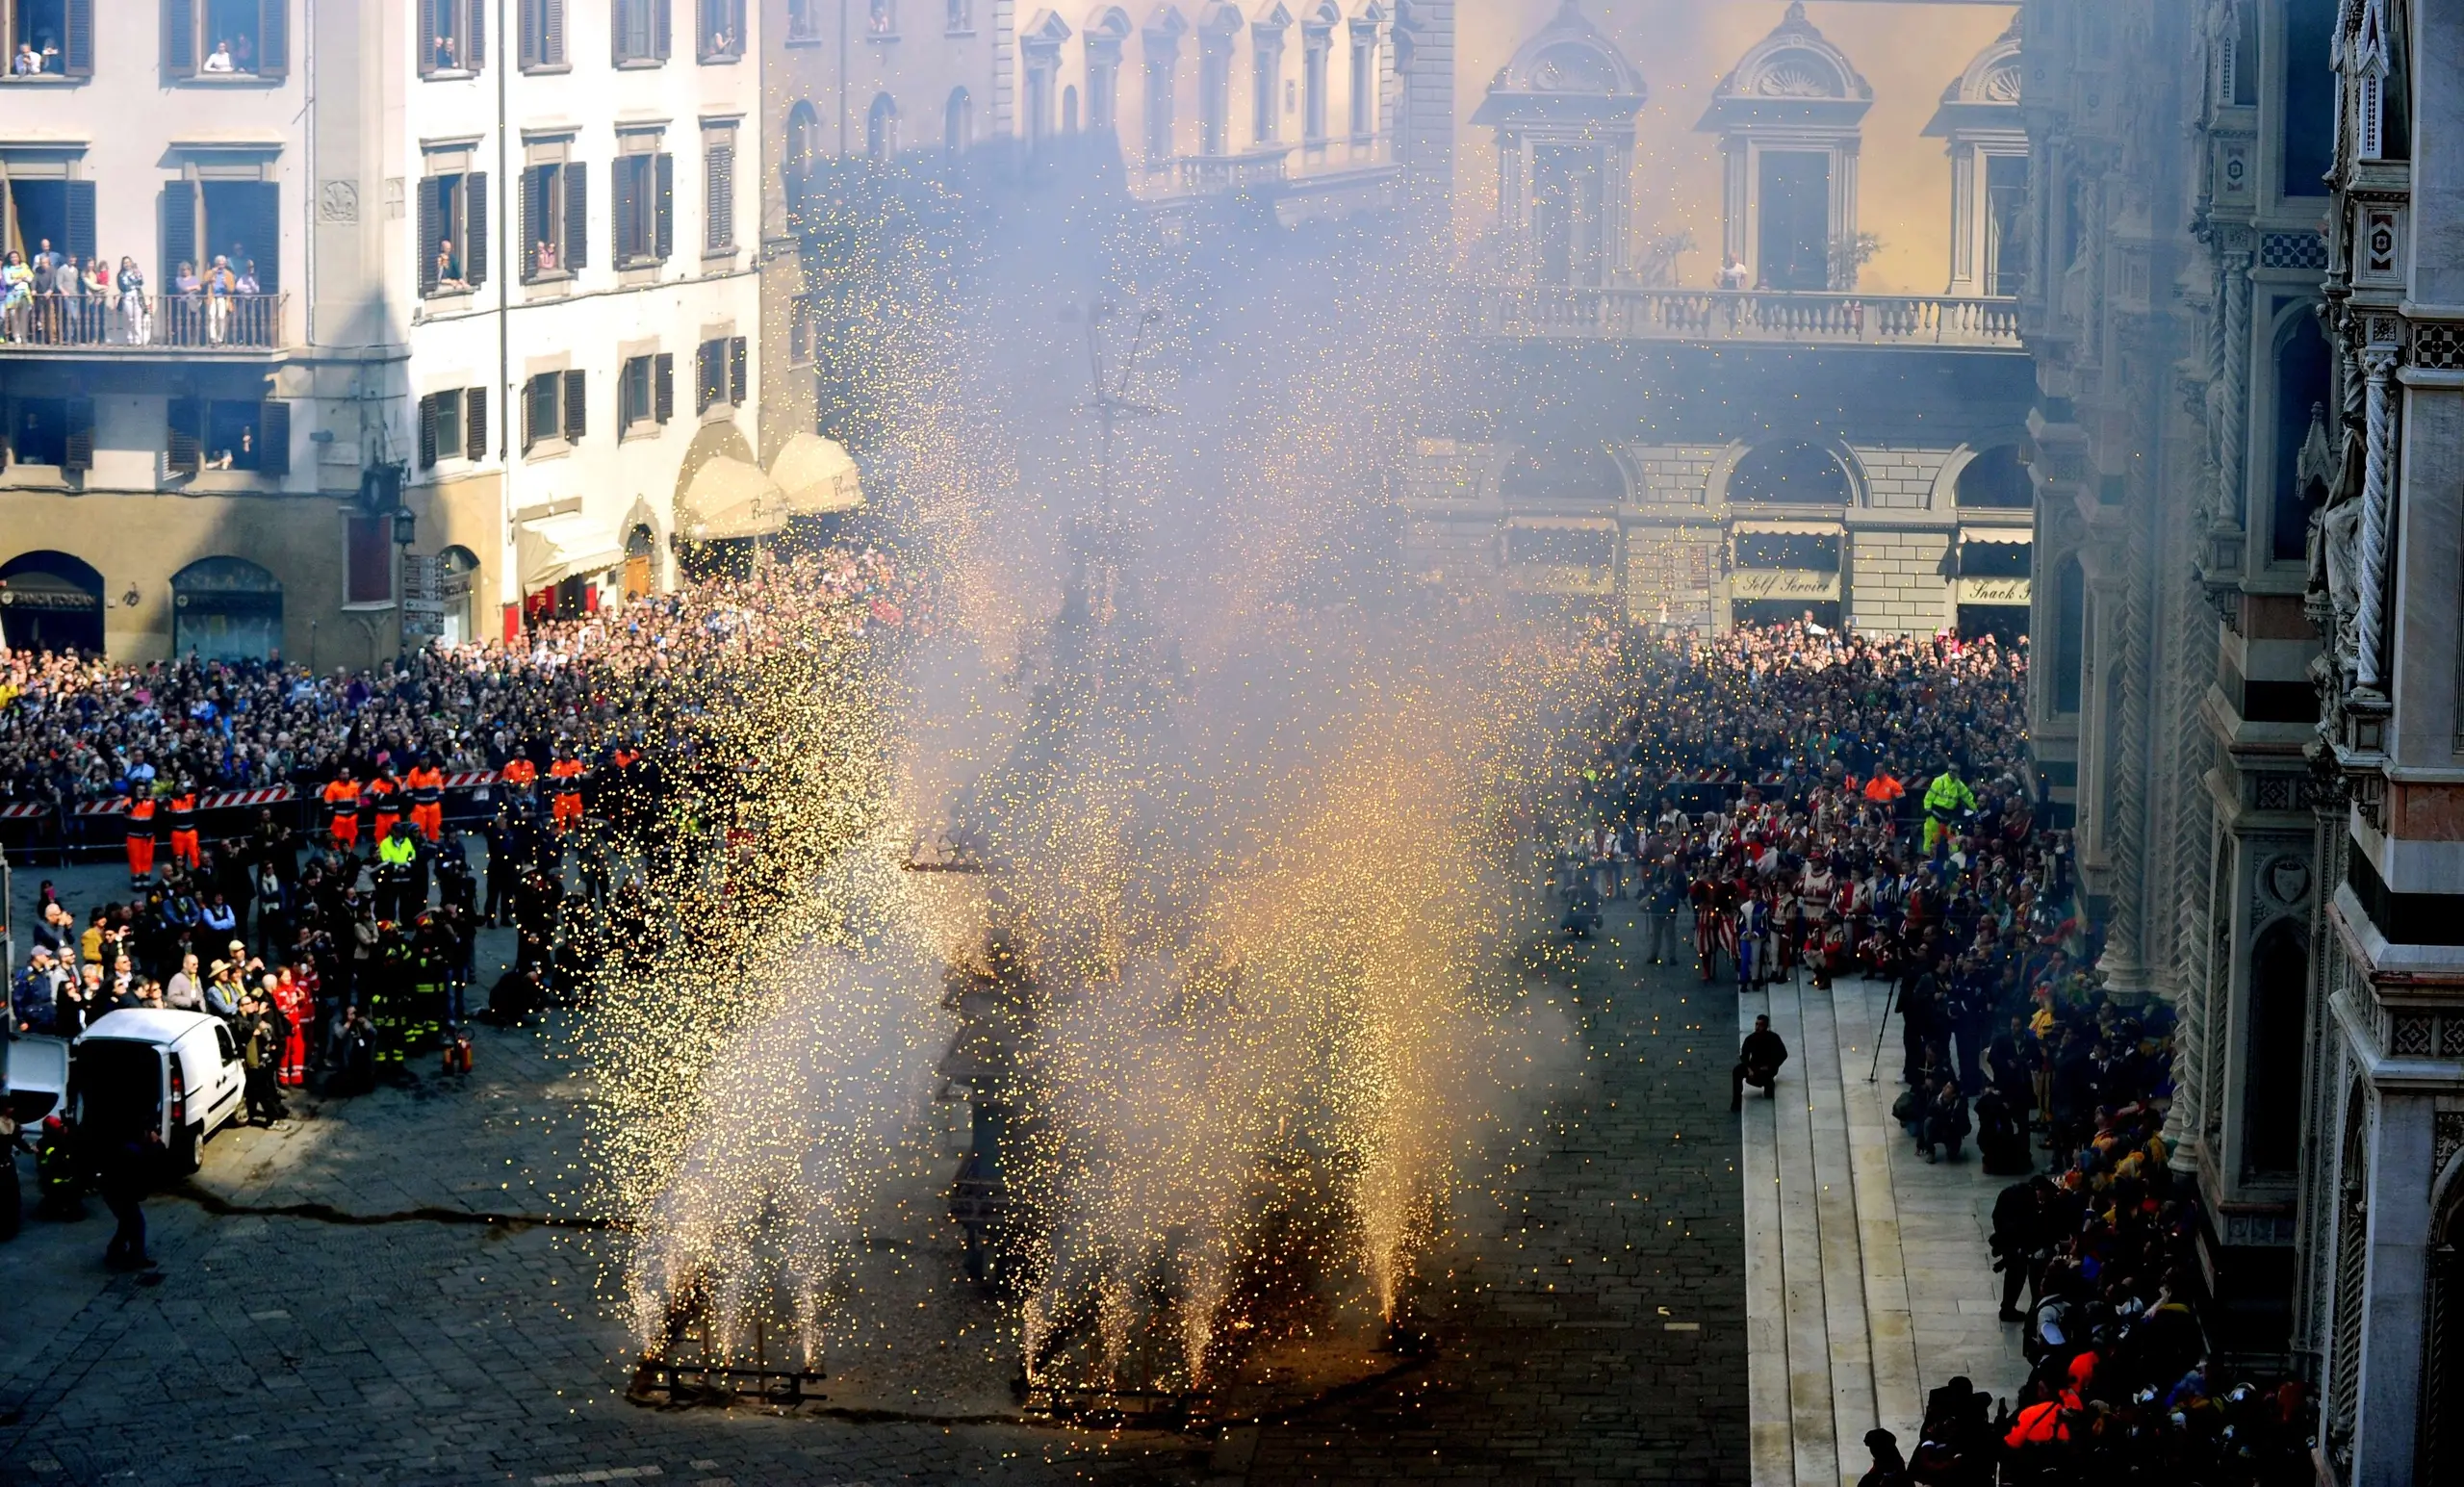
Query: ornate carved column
pixel 2378 368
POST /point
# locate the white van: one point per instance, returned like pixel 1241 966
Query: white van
pixel 177 1071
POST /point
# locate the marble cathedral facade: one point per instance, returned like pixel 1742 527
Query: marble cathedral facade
pixel 2247 309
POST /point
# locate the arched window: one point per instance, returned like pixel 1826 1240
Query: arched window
pixel 1995 478
pixel 2069 634
pixel 1107 33
pixel 881 129
pixel 457 586
pixel 1218 30
pixel 1266 77
pixel 2280 1018
pixel 641 563
pixel 1317 47
pixel 1364 73
pixel 51 602
pixel 802 152
pixel 2301 395
pixel 1161 40
pixel 1070 109
pixel 225 609
pixel 1792 473
pixel 1563 470
pixel 957 121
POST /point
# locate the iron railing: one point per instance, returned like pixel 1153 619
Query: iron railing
pixel 145 323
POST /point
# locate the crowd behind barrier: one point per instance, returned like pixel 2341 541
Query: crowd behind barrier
pixel 1794 803
pixel 296 866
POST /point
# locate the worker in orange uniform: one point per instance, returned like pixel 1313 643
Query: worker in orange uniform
pixel 426 784
pixel 182 809
pixel 341 810
pixel 519 775
pixel 141 836
pixel 564 790
pixel 384 802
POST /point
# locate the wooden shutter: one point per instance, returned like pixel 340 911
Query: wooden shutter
pixel 576 407
pixel 80 454
pixel 475 424
pixel 575 251
pixel 474 37
pixel 534 183
pixel 179 230
pixel 474 228
pixel 273 438
pixel 662 25
pixel 431 232
pixel 81 220
pixel 186 440
pixel 534 415
pixel 703 396
pixel 428 433
pixel 737 354
pixel 261 233
pixel 77 49
pixel 664 202
pixel 721 217
pixel 551 41
pixel 179 37
pixel 526 38
pixel 273 37
pixel 663 387
pixel 428 32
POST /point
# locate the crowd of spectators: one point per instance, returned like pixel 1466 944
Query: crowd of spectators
pixel 82 728
pixel 1819 804
pixel 336 959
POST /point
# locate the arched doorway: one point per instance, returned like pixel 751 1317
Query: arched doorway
pixel 2442 1442
pixel 641 563
pixel 881 129
pixel 957 121
pixel 2279 1018
pixel 51 602
pixel 226 610
pixel 458 582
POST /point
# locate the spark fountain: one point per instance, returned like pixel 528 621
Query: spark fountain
pixel 1130 1034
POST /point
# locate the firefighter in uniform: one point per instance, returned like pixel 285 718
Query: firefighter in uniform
pixel 565 779
pixel 388 994
pixel 426 784
pixel 141 836
pixel 384 802
pixel 397 853
pixel 342 810
pixel 432 963
pixel 183 813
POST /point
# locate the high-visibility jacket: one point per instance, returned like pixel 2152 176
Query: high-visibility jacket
pixel 427 785
pixel 1884 788
pixel 520 771
pixel 397 852
pixel 1948 795
pixel 183 812
pixel 342 798
pixel 380 794
pixel 141 815
pixel 2042 1424
pixel 565 777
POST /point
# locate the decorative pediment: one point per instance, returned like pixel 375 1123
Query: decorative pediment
pixel 1044 29
pixel 1986 95
pixel 1272 17
pixel 1107 23
pixel 1795 76
pixel 1570 68
pixel 1220 19
pixel 1167 24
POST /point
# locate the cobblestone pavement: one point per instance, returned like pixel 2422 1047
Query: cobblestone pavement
pixel 371 1296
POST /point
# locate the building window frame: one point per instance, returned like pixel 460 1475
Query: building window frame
pixel 63 32
pixel 719 190
pixel 643 203
pixel 185 30
pixel 543 39
pixel 718 32
pixel 453 38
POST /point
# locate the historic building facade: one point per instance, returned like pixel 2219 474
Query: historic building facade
pixel 1708 395
pixel 474 250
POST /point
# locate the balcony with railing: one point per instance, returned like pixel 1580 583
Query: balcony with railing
pixel 143 325
pixel 1552 312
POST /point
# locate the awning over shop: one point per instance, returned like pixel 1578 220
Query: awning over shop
pixel 2004 536
pixel 1787 528
pixel 549 550
pixel 730 499
pixel 817 476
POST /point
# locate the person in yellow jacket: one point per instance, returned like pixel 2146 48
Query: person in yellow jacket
pixel 1946 800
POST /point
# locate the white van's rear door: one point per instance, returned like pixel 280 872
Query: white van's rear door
pixel 35 1071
